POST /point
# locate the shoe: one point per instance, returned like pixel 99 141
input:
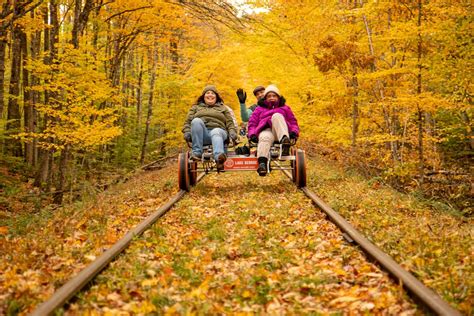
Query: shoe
pixel 285 146
pixel 246 151
pixel 221 158
pixel 195 156
pixel 262 166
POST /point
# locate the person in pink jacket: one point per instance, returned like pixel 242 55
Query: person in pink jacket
pixel 272 120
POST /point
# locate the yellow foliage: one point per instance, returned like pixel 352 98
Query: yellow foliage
pixel 31 24
pixel 82 107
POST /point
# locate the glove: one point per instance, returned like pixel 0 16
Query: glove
pixel 254 139
pixel 293 135
pixel 242 95
pixel 187 137
pixel 232 135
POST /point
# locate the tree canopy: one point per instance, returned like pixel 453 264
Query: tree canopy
pixel 385 86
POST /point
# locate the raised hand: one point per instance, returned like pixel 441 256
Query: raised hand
pixel 242 95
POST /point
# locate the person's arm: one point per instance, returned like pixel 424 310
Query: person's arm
pixel 189 118
pixel 244 112
pixel 292 122
pixel 242 95
pixel 236 125
pixel 229 122
pixel 253 121
pixel 250 111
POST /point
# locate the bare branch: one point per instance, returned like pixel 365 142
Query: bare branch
pixel 127 11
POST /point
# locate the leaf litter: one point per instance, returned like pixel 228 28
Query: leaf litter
pixel 240 244
pixel 37 261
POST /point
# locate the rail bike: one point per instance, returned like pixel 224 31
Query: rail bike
pixel 188 169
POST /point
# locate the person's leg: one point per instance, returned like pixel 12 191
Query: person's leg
pixel 279 126
pixel 280 131
pixel 218 136
pixel 265 141
pixel 198 132
pixel 207 137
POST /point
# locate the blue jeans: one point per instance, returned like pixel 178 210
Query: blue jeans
pixel 203 136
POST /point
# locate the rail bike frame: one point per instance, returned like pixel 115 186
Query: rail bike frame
pixel 188 170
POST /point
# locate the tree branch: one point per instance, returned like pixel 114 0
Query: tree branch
pixel 127 11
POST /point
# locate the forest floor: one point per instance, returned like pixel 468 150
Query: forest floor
pixel 238 243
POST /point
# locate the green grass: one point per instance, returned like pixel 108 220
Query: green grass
pixel 162 301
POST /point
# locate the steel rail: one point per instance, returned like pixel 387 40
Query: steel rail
pixel 427 296
pixel 68 290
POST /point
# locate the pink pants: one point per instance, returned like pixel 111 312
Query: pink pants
pixel 268 136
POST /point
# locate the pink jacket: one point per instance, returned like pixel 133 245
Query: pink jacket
pixel 262 117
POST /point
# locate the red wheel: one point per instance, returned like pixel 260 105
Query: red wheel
pixel 183 171
pixel 293 164
pixel 193 173
pixel 300 169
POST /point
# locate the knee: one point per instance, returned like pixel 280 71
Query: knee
pixel 197 121
pixel 218 132
pixel 277 116
pixel 265 137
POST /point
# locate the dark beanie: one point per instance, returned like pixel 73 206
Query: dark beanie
pixel 257 89
pixel 210 88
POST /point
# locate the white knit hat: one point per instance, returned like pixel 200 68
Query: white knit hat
pixel 272 88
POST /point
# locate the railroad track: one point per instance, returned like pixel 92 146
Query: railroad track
pixel 423 295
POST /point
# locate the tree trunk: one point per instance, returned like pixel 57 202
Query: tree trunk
pixel 44 172
pixel 392 119
pixel 125 83
pixel 27 102
pixel 54 32
pixel 81 16
pixel 63 160
pixel 152 58
pixel 469 133
pixel 35 50
pixel 95 28
pixel 421 164
pixel 139 94
pixel 14 116
pixel 63 171
pixel 75 27
pixel 3 44
pixel 174 55
pixel 355 105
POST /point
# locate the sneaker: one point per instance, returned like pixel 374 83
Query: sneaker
pixel 285 146
pixel 262 166
pixel 246 151
pixel 262 169
pixel 195 156
pixel 221 158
